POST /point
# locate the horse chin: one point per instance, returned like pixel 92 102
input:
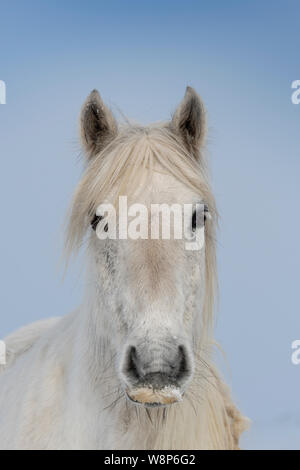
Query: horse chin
pixel 150 397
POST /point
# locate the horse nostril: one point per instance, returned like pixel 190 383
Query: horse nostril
pixel 133 366
pixel 183 367
pixel 157 367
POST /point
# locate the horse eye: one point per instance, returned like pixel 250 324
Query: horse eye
pixel 194 217
pixel 96 221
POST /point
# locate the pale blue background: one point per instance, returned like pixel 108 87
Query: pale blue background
pixel 241 56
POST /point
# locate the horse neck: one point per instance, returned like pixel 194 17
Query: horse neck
pixel 198 422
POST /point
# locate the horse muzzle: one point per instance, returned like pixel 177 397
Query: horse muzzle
pixel 156 380
pixel 150 397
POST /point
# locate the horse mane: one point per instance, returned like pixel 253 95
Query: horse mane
pixel 124 167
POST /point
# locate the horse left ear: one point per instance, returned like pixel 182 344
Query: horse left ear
pixel 189 121
pixel 97 124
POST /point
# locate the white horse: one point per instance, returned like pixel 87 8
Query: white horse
pixel 132 367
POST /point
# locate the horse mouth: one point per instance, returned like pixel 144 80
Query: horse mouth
pixel 151 397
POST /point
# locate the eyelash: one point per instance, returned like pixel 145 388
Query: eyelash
pixel 194 217
pixel 95 222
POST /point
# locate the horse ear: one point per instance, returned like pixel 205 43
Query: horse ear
pixel 97 124
pixel 189 121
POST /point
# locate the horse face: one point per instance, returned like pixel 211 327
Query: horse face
pixel 152 293
pixel 149 290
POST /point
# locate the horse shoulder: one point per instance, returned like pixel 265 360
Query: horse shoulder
pixel 23 339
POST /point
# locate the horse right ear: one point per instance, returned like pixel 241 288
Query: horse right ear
pixel 189 121
pixel 97 125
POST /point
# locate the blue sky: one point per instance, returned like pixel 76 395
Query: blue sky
pixel 242 58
